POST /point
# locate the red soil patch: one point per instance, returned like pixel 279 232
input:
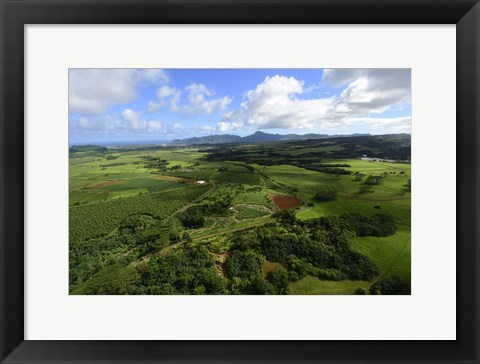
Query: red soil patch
pixel 285 202
pixel 103 184
pixel 188 180
pixel 175 179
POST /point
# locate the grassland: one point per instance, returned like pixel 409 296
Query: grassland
pixel 130 207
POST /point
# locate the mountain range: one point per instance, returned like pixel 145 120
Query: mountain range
pixel 257 137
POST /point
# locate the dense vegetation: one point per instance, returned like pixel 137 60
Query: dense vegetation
pixel 93 221
pixel 393 285
pixel 395 147
pixel 188 271
pixel 320 247
pixel 288 217
pixel 194 216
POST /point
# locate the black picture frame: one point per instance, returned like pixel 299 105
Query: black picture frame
pixel 17 13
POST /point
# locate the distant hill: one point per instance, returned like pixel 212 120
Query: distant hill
pixel 210 139
pixel 257 137
pixel 87 148
pixel 260 136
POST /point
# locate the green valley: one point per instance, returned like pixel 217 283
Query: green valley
pixel 311 216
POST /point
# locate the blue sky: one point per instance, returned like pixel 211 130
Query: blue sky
pixel 108 105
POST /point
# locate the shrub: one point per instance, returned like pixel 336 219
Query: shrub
pixel 183 272
pixel 325 195
pixel 279 279
pixel 137 222
pixel 365 189
pixel 191 219
pixel 393 285
pixel 358 266
pixel 360 291
pixel 376 225
pixel 372 180
pixel 260 286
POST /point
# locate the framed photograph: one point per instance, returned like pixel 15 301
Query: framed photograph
pixel 239 181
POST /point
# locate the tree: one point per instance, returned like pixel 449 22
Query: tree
pixel 173 238
pixel 278 247
pixel 393 285
pixel 279 279
pixel 376 225
pixel 286 216
pixel 238 285
pixel 358 266
pixel 360 291
pixel 137 222
pixel 358 177
pixel 325 195
pixel 199 290
pixel 261 287
pixel 191 219
pixel 211 281
pixel 244 264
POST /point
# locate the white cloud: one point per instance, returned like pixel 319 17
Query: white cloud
pixel 220 127
pixel 199 102
pixel 173 128
pixel 233 115
pixel 132 118
pixel 355 97
pixel 83 122
pixel 167 96
pixel 275 104
pixel 388 125
pixel 223 126
pixel 197 92
pixel 281 102
pixel 92 91
pixel 367 91
pixel 378 121
pixel 207 129
pixel 152 75
pixel 104 124
pixel 383 125
pixel 129 122
pixel 152 126
pixel 155 106
pixel 337 77
pixel 135 125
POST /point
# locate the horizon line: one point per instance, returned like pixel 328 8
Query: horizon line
pixel 170 140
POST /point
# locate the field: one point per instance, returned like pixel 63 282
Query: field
pixel 297 217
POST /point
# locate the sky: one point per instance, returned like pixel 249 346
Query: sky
pixel 111 105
